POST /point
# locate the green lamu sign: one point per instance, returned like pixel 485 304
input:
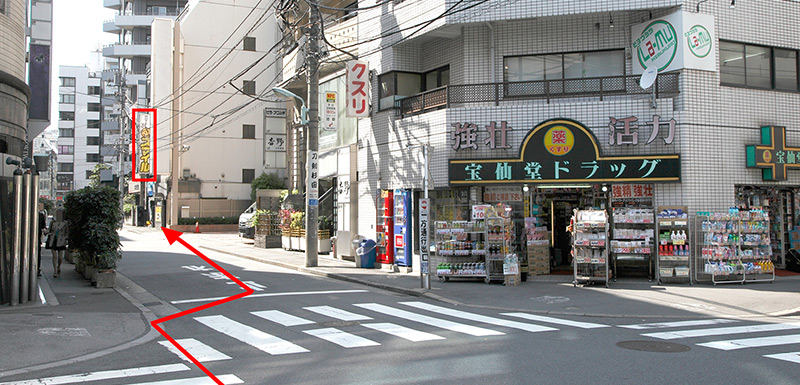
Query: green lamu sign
pixel 564 151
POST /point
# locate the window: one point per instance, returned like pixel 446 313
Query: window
pixel 66 98
pixel 249 87
pixel 92 124
pixel 89 174
pixel 67 82
pixel 439 77
pixel 94 158
pixel 64 186
pixel 758 66
pixel 66 133
pixel 66 167
pixel 66 115
pixel 249 43
pixel 2 6
pixel 248 174
pixel 397 85
pixel 93 107
pixel 92 140
pixel 94 90
pixel 248 131
pixel 64 149
pixel 560 66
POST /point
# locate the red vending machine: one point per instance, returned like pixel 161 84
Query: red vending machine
pixel 385 227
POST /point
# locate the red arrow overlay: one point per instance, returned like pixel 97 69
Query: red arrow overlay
pixel 173 236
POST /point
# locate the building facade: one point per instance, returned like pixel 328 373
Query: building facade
pixel 482 85
pixel 79 111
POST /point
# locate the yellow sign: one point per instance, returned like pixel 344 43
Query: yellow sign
pixel 559 140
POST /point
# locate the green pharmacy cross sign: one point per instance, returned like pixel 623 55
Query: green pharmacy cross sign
pixel 772 156
pixel 564 151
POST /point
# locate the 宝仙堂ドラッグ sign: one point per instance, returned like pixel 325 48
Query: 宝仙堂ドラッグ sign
pixel 772 156
pixel 564 151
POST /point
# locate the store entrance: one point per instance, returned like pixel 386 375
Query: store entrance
pixel 562 240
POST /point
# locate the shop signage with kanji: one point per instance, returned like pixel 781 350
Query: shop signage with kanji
pixel 144 144
pixel 424 205
pixel 773 157
pixel 564 151
pixel 357 88
pixel 631 191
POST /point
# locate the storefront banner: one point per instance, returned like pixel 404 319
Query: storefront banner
pixel 564 151
pixel 479 212
pixel 502 194
pixel 631 191
pixel 144 144
pixel 676 41
pixel 357 88
pixel 773 157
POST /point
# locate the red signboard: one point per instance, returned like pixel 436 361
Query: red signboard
pixel 144 145
pixel 357 88
pixel 628 191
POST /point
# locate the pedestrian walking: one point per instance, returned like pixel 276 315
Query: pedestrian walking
pixel 57 240
pixel 42 231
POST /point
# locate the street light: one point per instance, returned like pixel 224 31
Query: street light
pixel 288 95
pixel 312 170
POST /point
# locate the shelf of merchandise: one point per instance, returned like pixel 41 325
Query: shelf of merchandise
pixel 633 236
pixel 460 249
pixel 498 246
pixel 673 261
pixel 590 251
pixel 735 247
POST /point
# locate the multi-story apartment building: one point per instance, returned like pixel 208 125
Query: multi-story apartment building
pixel 214 102
pixel 45 151
pixel 79 110
pixel 483 86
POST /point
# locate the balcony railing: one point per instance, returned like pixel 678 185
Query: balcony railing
pixel 449 96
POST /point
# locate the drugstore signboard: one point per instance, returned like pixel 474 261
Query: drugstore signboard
pixel 773 157
pixel 564 151
pixel 676 41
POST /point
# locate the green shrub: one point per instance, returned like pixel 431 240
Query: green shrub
pixel 265 181
pixel 94 215
pixel 209 221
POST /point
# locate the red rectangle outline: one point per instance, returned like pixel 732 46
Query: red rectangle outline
pixel 153 150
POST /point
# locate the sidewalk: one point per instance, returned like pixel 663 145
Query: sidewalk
pixel 548 294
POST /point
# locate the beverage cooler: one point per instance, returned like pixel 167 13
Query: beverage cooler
pixel 402 227
pixel 385 228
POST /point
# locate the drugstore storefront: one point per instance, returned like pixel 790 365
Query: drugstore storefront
pixel 560 166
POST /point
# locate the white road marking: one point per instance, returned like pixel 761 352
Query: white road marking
pixel 753 342
pixel 281 318
pixel 337 313
pixel 722 331
pixel 677 324
pixel 791 357
pixel 197 349
pixel 226 379
pixel 557 321
pixel 251 336
pixel 478 317
pixel 272 295
pixel 440 323
pixel 104 375
pixel 403 332
pixel 341 338
pixel 65 332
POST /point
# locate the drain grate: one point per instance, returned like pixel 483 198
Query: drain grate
pixel 151 303
pixel 654 346
pixel 338 324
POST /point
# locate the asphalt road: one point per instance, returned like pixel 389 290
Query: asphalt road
pixel 303 329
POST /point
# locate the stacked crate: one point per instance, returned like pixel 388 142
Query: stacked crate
pixel 538 245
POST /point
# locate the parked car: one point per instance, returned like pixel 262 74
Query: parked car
pixel 246 228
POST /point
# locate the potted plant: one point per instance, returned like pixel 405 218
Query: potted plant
pixel 94 216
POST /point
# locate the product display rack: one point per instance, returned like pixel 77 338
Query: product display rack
pixel 498 245
pixel 673 261
pixel 460 249
pixel 735 246
pixel 589 246
pixel 633 236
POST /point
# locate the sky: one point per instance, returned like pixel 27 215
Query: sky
pixel 77 31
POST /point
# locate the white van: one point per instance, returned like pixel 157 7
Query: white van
pixel 246 228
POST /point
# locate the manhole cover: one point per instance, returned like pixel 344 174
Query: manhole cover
pixel 337 324
pixel 654 346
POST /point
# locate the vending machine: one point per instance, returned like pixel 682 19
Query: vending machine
pixel 402 227
pixel 385 227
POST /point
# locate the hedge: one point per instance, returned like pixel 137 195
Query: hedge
pixel 209 221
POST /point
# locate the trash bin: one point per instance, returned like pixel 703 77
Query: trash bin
pixel 365 254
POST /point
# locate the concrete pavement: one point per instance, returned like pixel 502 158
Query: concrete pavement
pixel 69 325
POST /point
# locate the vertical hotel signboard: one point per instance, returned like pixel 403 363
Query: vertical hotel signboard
pixel 144 144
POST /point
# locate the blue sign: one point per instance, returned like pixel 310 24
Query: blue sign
pixel 313 202
pixel 150 187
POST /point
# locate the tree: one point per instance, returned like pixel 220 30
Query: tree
pixel 94 176
pixel 266 181
pixel 93 214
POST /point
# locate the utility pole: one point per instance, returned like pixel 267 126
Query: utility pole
pixel 312 157
pixel 123 143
